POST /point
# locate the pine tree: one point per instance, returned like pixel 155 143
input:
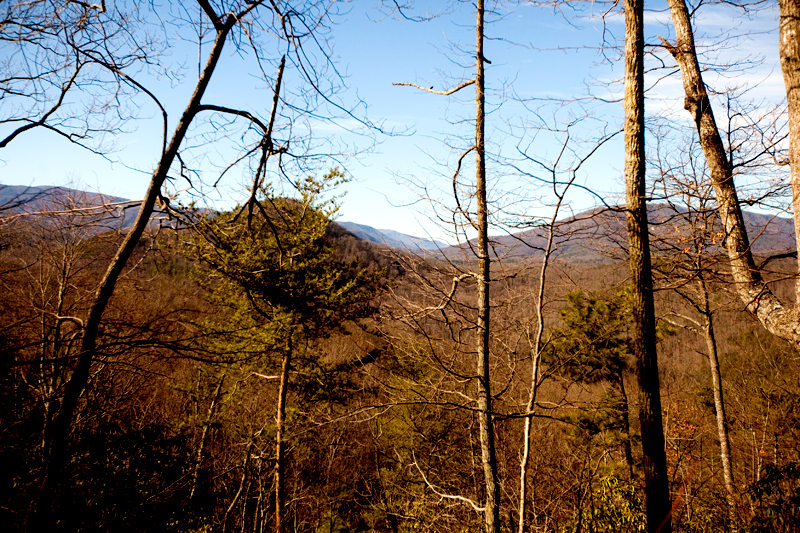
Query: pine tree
pixel 274 266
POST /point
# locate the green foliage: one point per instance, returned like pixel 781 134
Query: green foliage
pixel 612 507
pixel 272 270
pixel 593 345
pixel 776 500
pixel 603 425
pixel 274 267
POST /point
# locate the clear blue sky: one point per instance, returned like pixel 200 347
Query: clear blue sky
pixel 535 53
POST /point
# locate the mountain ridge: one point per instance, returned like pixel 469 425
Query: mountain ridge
pixel 587 236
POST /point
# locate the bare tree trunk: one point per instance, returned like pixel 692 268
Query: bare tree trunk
pixel 536 350
pixel 654 460
pixel 242 483
pixel 535 366
pixel 780 320
pixel 198 460
pixel 486 424
pixel 58 455
pixel 280 419
pixel 719 402
pixel 789 49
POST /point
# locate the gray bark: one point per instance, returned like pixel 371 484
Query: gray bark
pixel 719 404
pixel 485 422
pixel 789 50
pixel 781 320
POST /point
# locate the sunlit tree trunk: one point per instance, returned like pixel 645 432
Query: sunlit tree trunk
pixel 707 331
pixel 654 461
pixel 486 424
pixel 789 49
pixel 779 319
pixel 536 350
pixel 280 423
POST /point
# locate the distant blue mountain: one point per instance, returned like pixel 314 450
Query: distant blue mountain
pixel 122 212
pixel 586 236
pixel 392 238
pixel 109 212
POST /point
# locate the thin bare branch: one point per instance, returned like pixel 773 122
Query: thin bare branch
pixel 432 90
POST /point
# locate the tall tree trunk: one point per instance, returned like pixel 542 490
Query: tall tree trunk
pixel 485 422
pixel 58 440
pixel 789 50
pixel 719 401
pixel 280 422
pixel 536 351
pixel 780 320
pixel 535 366
pixel 654 461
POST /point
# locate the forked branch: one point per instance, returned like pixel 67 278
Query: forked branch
pixel 434 91
pixel 456 497
pixel 448 297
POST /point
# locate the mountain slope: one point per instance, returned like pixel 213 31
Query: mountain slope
pixel 593 235
pixel 597 234
pixel 97 209
pixel 392 238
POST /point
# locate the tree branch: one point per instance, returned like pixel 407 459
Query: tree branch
pixel 432 90
pixel 456 497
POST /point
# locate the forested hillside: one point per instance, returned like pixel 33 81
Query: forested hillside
pixel 201 369
pixel 608 342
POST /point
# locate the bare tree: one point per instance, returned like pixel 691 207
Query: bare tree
pixel 54 51
pixel 558 177
pixel 235 23
pixel 654 460
pixel 783 320
pixel 480 224
pixel 487 434
pixel 687 265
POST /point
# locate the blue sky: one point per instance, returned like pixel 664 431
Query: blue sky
pixel 536 53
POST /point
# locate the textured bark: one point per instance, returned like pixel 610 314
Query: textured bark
pixel 789 49
pixel 654 461
pixel 779 319
pixel 58 439
pixel 485 422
